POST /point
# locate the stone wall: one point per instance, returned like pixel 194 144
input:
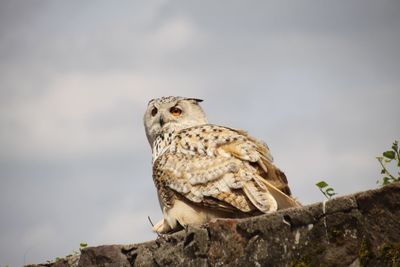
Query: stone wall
pixel 356 230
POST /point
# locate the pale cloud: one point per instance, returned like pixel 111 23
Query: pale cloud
pixel 40 235
pixel 124 227
pixel 174 34
pixel 75 110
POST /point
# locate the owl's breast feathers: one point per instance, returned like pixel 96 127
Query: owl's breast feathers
pixel 221 168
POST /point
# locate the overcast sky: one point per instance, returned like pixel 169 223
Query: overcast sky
pixel 319 81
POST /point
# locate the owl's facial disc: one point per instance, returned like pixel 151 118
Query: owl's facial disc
pixel 164 116
pixel 172 114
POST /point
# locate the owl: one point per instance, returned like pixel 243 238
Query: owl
pixel 204 171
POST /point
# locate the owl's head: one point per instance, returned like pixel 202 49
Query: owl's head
pixel 172 113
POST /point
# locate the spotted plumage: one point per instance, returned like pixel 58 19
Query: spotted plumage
pixel 204 171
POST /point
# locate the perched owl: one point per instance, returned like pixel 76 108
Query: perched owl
pixel 204 171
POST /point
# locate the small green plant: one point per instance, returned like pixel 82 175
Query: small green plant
pixel 73 253
pixel 390 156
pixel 325 189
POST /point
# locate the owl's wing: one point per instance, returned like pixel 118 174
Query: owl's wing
pixel 273 177
pixel 223 168
pixel 218 182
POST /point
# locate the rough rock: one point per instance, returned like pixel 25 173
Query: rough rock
pixel 356 230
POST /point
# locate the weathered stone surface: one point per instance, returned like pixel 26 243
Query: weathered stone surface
pixel 357 230
pixel 111 256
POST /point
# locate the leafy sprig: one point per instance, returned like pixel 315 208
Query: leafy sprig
pixel 328 191
pixel 388 157
pixel 74 253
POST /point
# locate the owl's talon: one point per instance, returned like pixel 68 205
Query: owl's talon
pixel 164 237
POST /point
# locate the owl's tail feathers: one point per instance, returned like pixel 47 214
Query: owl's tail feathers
pixel 260 198
pixel 284 201
pixel 274 175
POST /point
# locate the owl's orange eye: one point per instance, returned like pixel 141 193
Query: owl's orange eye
pixel 154 111
pixel 175 111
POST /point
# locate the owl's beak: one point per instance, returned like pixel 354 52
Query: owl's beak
pixel 161 121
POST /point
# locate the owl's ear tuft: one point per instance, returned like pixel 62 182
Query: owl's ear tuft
pixel 195 100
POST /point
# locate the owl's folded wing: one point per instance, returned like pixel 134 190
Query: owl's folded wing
pixel 223 168
pixel 219 182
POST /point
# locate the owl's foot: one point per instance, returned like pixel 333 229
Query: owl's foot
pixel 162 227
